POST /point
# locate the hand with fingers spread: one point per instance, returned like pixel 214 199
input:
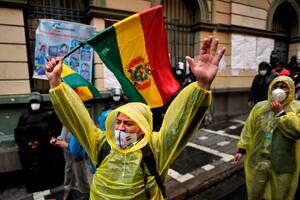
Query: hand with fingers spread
pixel 54 70
pixel 205 69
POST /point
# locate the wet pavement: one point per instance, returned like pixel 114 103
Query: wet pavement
pixel 203 171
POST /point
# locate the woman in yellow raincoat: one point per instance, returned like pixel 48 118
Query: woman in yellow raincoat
pixel 129 128
pixel 270 141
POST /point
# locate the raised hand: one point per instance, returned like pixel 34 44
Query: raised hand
pixel 206 67
pixel 53 71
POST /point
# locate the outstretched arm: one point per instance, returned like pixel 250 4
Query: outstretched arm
pixel 188 109
pixel 53 71
pixel 71 111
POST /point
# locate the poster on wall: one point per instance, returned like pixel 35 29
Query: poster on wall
pixel 248 51
pixel 55 38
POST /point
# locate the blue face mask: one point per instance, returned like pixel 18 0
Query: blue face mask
pixel 124 139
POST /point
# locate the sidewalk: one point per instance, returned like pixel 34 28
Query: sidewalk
pixel 205 162
pixel 218 139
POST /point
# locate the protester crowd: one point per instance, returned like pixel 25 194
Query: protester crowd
pixel 267 72
pixel 270 137
pixel 129 156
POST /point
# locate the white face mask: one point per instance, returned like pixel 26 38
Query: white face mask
pixel 124 139
pixel 116 98
pixel 278 95
pixel 263 72
pixel 35 106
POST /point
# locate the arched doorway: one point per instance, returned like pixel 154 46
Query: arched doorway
pixel 284 20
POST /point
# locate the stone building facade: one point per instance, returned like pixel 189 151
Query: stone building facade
pixel 249 30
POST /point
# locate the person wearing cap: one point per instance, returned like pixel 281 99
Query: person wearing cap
pixel 270 143
pixel 42 164
pixel 129 128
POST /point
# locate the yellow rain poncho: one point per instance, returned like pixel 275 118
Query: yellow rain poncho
pixel 119 176
pixel 272 147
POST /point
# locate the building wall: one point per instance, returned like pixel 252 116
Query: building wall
pixel 253 15
pixel 98 65
pixel 220 18
pixel 14 77
pixel 294 49
pixel 128 5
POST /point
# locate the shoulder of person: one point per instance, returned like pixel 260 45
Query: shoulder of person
pixel 261 105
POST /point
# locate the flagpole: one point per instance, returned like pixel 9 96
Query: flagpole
pixel 73 50
pixel 69 53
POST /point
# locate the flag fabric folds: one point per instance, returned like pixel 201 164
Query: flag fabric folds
pixel 135 50
pixel 83 88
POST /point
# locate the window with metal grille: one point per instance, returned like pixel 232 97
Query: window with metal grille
pixel 180 15
pixel 67 10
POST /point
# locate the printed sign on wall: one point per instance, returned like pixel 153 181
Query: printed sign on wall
pixel 55 38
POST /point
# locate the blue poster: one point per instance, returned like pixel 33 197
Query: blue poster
pixel 55 38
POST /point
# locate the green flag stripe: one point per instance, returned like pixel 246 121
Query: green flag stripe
pixel 74 81
pixel 94 91
pixel 105 44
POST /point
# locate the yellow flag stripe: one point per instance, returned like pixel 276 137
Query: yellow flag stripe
pixel 66 70
pixel 84 93
pixel 131 42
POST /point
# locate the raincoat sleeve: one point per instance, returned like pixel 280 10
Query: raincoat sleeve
pixel 182 119
pixel 289 124
pixel 73 114
pixel 247 131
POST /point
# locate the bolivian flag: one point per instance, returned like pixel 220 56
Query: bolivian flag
pixel 83 88
pixel 135 50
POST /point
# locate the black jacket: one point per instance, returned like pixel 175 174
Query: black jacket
pixel 259 87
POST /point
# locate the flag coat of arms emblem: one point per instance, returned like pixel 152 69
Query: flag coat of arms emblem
pixel 135 50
